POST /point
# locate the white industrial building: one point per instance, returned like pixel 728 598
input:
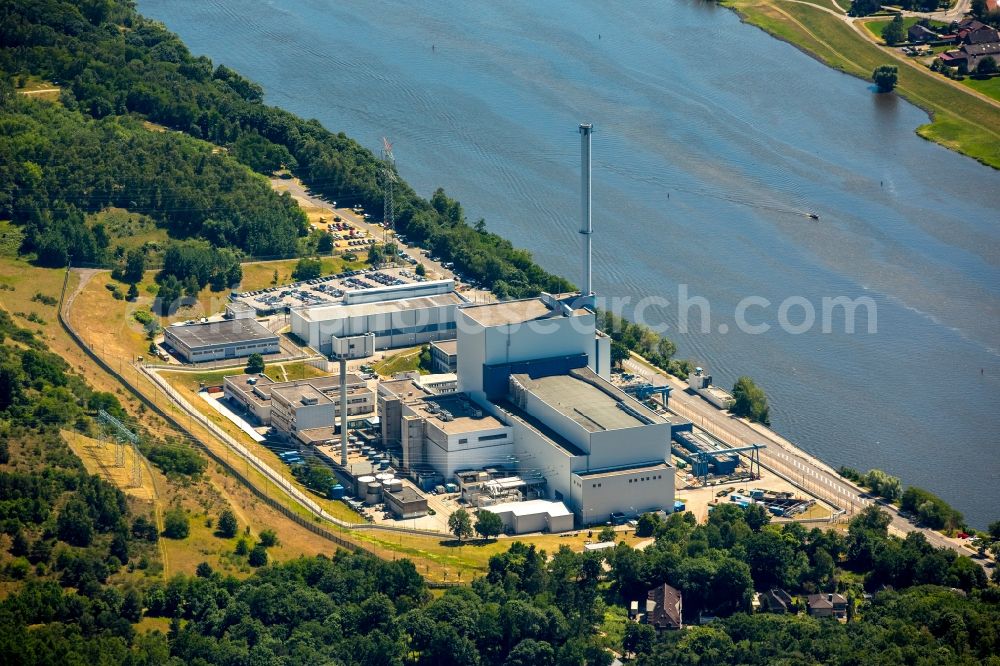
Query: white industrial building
pixel 300 405
pixel 533 516
pixel 380 318
pixel 229 338
pixel 550 333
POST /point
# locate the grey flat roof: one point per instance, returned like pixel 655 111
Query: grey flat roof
pixel 449 347
pixel 520 311
pixel 294 393
pixel 228 331
pixel 324 313
pixel 507 312
pixel 656 467
pixel 590 401
pixel 461 408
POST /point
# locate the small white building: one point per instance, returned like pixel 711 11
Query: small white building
pixel 533 516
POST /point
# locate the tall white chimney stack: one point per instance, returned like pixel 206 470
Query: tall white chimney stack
pixel 586 223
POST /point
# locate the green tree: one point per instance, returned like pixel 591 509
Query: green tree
pixel 425 363
pixel 255 364
pixel 135 266
pixel 750 401
pixel 883 484
pixel 308 268
pixel 74 524
pixel 133 292
pixel 227 524
pixel 460 524
pixel 488 524
pixel 607 534
pixel 639 638
pixel 268 538
pixel 241 547
pixel 204 570
pixel 986 66
pixel 894 32
pixel 619 353
pixel 647 525
pixel 257 556
pixel 376 256
pixel 176 524
pixel 885 77
pixel 420 270
pixel 325 244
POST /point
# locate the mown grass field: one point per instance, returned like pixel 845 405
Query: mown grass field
pixel 989 87
pixel 959 121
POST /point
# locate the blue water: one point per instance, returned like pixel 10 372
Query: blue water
pixel 744 133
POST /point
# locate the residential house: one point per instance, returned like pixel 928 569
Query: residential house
pixel 971 31
pixel 830 604
pixel 968 57
pixel 777 601
pixel 664 608
pixel 918 34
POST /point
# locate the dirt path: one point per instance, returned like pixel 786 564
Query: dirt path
pixel 39 91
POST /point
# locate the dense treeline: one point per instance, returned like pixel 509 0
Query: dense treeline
pixel 114 62
pixel 61 164
pixel 63 524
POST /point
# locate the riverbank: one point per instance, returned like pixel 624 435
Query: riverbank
pixel 960 120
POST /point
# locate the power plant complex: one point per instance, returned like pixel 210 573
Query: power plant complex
pixel 531 427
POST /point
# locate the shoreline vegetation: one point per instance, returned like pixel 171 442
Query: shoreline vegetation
pixel 959 120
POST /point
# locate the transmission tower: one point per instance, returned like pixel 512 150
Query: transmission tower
pixel 121 435
pixel 388 181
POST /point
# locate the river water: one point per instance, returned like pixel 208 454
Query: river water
pixel 712 140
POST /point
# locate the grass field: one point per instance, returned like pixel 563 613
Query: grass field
pixel 407 360
pixel 989 87
pixel 261 275
pixel 876 26
pixel 960 121
pixel 130 230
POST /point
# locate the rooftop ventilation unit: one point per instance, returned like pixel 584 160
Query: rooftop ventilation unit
pixel 309 400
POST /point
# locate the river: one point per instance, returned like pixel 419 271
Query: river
pixel 712 141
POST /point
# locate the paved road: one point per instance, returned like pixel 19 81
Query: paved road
pixel 781 456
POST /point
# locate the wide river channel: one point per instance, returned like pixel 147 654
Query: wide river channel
pixel 713 142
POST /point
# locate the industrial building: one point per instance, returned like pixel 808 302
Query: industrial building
pixel 534 402
pixel 229 338
pixel 550 334
pixel 392 316
pixel 405 503
pixel 531 400
pixel 444 356
pixel 701 383
pixel 301 407
pixel 533 516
